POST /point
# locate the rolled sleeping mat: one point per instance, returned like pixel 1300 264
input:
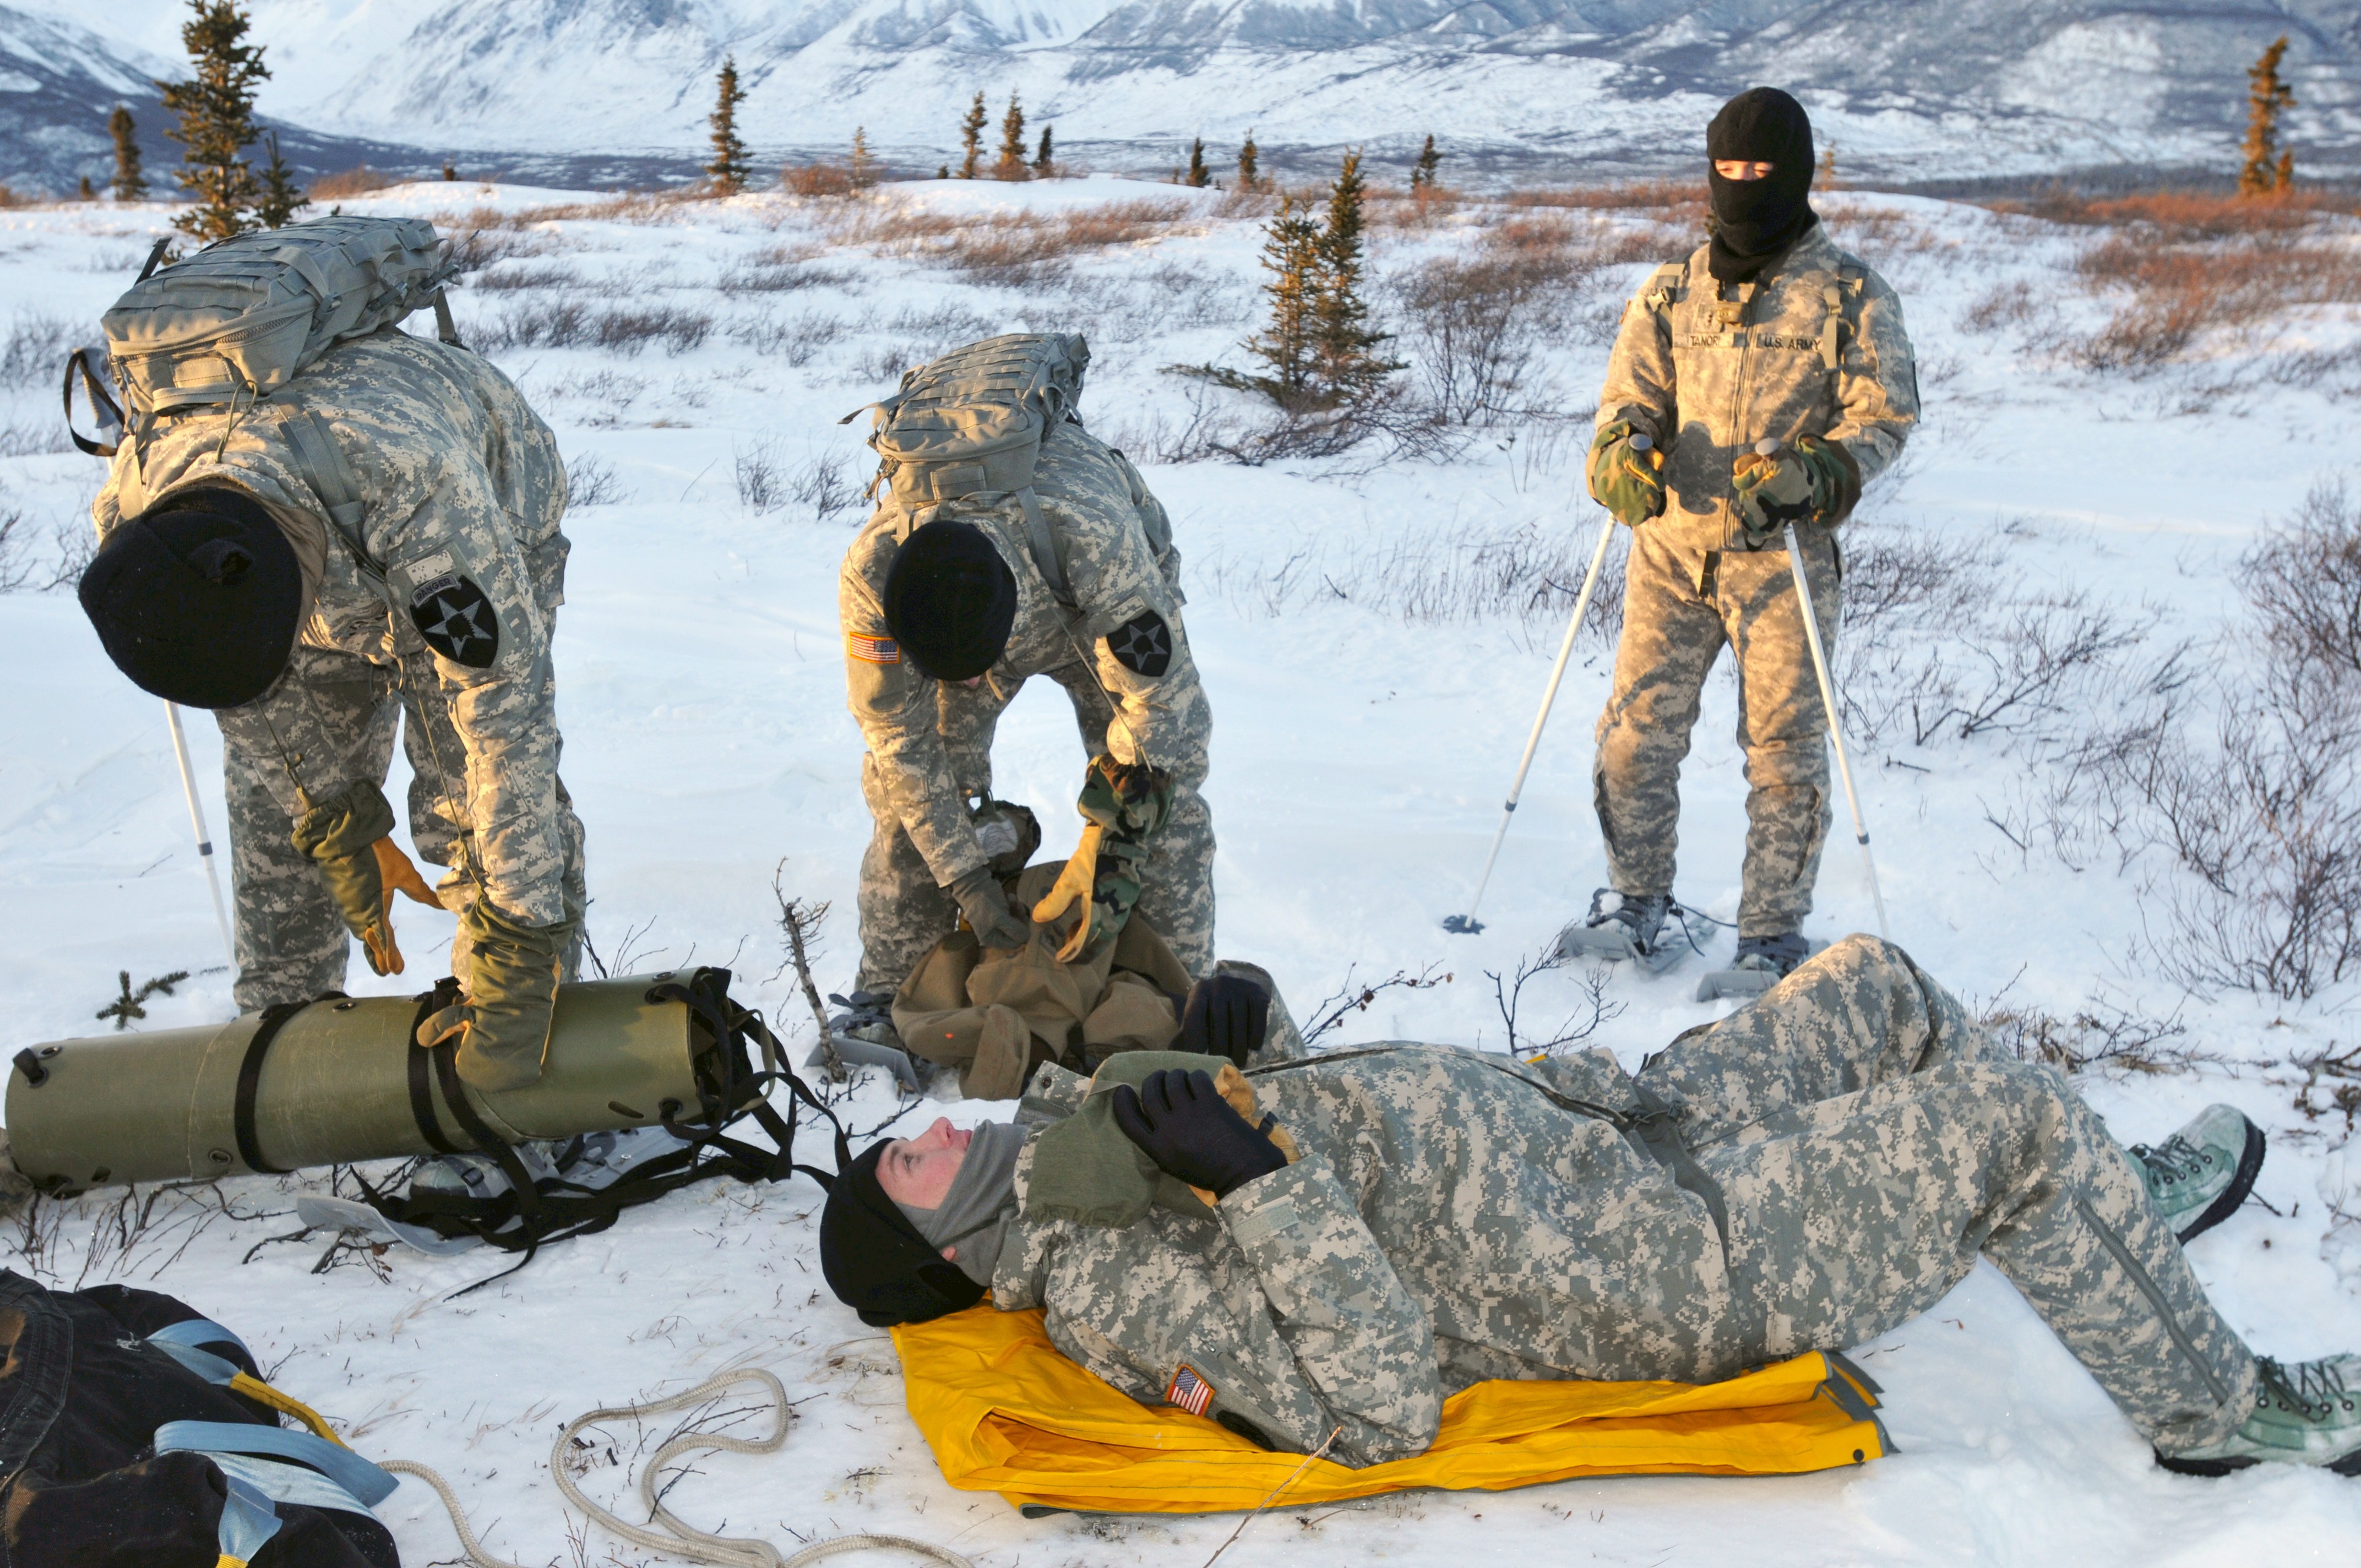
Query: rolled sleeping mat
pixel 338 1081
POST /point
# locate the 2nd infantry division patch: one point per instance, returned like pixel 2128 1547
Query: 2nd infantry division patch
pixel 1142 645
pixel 1189 1391
pixel 457 621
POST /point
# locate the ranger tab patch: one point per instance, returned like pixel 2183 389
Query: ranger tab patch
pixel 1189 1391
pixel 1142 645
pixel 457 621
pixel 872 650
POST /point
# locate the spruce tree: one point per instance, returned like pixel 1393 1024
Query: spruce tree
pixel 1043 164
pixel 2266 168
pixel 971 137
pixel 130 184
pixel 86 193
pixel 1290 253
pixel 1422 173
pixel 280 199
pixel 1347 370
pixel 216 110
pixel 862 165
pixel 1012 164
pixel 1249 165
pixel 450 171
pixel 1199 175
pixel 730 167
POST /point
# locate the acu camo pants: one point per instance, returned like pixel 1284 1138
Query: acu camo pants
pixel 1680 606
pixel 1869 1142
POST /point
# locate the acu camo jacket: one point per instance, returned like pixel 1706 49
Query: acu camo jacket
pixel 1709 373
pixel 1456 1217
pixel 460 483
pixel 1114 546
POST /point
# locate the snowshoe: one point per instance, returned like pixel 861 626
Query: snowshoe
pixel 2306 1412
pixel 2199 1176
pixel 863 1035
pixel 1635 929
pixel 1762 963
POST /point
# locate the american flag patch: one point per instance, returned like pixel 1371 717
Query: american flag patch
pixel 1190 1392
pixel 872 650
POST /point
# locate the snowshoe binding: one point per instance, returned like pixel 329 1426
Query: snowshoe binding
pixel 863 1035
pixel 1648 929
pixel 2197 1177
pixel 2306 1412
pixel 1762 963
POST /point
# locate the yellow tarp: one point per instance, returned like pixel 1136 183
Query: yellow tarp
pixel 1006 1412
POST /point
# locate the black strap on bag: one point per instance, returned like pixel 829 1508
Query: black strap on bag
pixel 107 412
pixel 532 1214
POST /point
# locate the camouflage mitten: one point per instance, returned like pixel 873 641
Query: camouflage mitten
pixel 1126 805
pixel 511 991
pixel 1815 481
pixel 347 837
pixel 1627 474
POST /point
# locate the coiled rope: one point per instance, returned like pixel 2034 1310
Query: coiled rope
pixel 678 1537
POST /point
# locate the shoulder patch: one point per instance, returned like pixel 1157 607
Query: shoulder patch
pixel 872 650
pixel 1142 645
pixel 457 621
pixel 1188 1391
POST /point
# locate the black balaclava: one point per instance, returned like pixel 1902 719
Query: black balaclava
pixel 1754 221
pixel 876 1261
pixel 973 1216
pixel 949 600
pixel 199 598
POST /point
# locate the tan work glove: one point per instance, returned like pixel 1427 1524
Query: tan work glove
pixel 502 1020
pixel 347 836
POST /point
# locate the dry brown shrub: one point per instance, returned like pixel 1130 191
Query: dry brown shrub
pixel 348 182
pixel 1669 201
pixel 2184 215
pixel 1878 231
pixel 1420 207
pixel 817 179
pixel 1010 247
pixel 2180 289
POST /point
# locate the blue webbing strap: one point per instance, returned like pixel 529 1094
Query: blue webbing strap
pixel 247 1522
pixel 341 1465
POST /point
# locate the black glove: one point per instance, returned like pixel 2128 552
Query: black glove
pixel 984 903
pixel 1190 1131
pixel 1226 1015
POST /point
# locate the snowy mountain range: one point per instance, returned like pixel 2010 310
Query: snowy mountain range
pixel 1907 90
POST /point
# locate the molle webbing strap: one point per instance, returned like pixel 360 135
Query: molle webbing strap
pixel 1833 293
pixel 1044 548
pixel 250 1079
pixel 331 479
pixel 444 327
pixel 1656 294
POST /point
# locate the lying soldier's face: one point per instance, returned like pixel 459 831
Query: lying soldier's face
pixel 919 1171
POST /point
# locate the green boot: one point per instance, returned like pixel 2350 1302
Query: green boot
pixel 2306 1412
pixel 2199 1176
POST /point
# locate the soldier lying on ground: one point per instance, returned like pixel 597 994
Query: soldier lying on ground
pixel 222 584
pixel 1805 1174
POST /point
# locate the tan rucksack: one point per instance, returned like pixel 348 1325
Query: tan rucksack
pixel 970 424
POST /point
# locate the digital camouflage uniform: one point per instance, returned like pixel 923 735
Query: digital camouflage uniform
pixel 1706 378
pixel 461 483
pixel 1804 1175
pixel 929 743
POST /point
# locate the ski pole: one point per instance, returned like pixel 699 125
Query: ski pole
pixel 1828 704
pixel 1467 925
pixel 197 821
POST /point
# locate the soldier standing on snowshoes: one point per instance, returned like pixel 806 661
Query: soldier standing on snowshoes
pixel 226 580
pixel 1767 333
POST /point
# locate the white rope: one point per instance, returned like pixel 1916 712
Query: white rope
pixel 677 1538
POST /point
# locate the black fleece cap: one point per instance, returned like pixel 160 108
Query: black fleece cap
pixel 950 600
pixel 876 1261
pixel 198 598
pixel 1756 220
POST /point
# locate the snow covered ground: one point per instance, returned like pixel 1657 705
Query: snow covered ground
pixel 1361 757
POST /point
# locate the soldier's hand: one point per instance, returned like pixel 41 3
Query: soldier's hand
pixel 1627 474
pixel 1179 1121
pixel 503 1022
pixel 395 873
pixel 1813 481
pixel 983 903
pixel 346 836
pixel 1226 1015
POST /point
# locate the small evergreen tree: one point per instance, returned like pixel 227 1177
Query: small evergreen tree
pixel 1290 253
pixel 1347 370
pixel 1012 165
pixel 2266 168
pixel 1043 164
pixel 862 165
pixel 1249 165
pixel 1199 175
pixel 1422 173
pixel 216 110
pixel 730 167
pixel 971 137
pixel 942 172
pixel 130 184
pixel 450 170
pixel 281 200
pixel 86 193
